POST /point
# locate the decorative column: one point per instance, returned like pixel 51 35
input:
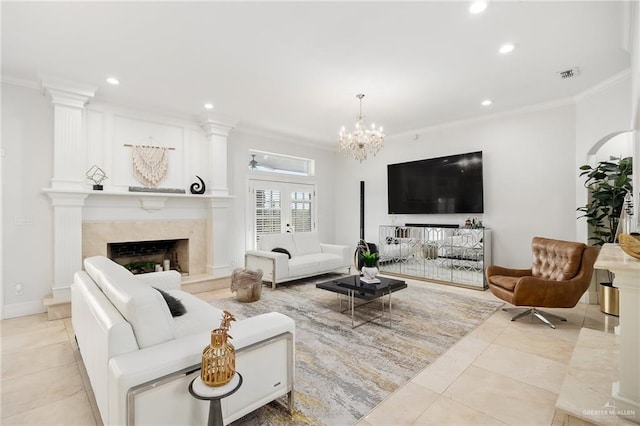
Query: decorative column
pixel 67 240
pixel 626 391
pixel 217 131
pixel 69 154
pixel 219 263
pixel 68 184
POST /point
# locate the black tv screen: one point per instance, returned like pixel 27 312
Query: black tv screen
pixel 450 184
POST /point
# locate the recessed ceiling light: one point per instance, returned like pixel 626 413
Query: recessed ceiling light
pixel 486 102
pixel 507 48
pixel 477 7
pixel 208 106
pixel 113 80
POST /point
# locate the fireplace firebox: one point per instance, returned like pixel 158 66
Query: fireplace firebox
pixel 149 256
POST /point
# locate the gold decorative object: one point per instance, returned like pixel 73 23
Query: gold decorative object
pixel 630 245
pixel 219 358
pixel 609 300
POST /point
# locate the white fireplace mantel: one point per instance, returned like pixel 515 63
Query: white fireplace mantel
pixel 149 201
pixel 83 137
pixel 72 206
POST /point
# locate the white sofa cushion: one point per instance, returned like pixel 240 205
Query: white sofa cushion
pixel 200 315
pixel 306 243
pixel 301 266
pixel 165 280
pixel 285 240
pixel 316 263
pixel 328 261
pixel 142 306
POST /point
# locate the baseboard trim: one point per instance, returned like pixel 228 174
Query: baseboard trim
pixel 15 310
pixel 222 271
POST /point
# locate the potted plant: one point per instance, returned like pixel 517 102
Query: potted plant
pixel 362 248
pixel 370 269
pixel 608 182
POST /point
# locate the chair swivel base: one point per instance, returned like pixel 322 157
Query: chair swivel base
pixel 541 315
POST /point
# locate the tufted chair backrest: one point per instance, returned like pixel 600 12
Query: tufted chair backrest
pixel 556 259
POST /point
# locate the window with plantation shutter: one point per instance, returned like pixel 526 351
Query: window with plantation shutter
pixel 268 212
pixel 278 204
pixel 301 218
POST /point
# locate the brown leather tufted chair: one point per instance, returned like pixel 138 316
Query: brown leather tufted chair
pixel 560 274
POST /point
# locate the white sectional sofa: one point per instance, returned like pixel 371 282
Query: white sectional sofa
pixel 140 359
pixel 308 257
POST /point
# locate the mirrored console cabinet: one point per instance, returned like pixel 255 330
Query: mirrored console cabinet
pixel 449 255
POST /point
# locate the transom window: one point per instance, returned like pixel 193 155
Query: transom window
pixel 278 163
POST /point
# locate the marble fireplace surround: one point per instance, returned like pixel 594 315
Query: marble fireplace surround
pixel 97 235
pixel 84 222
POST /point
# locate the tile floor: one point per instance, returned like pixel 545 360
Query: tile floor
pixel 502 373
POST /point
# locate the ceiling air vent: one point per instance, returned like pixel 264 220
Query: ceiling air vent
pixel 573 72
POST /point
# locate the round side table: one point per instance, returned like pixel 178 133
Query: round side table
pixel 199 390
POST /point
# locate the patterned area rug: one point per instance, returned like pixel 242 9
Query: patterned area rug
pixel 343 373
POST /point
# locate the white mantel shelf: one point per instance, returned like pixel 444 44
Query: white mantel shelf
pixel 132 193
pixel 626 391
pixel 149 201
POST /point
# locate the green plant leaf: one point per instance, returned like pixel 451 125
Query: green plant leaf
pixel 608 182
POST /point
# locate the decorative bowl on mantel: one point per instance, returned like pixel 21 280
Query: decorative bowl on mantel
pixel 630 245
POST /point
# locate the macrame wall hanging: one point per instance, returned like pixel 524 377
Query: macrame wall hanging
pixel 150 163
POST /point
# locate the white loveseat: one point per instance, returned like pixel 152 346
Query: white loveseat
pixel 308 257
pixel 140 359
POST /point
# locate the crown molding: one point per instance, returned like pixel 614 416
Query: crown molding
pixel 603 85
pixel 21 82
pixel 50 82
pixel 140 113
pixel 66 92
pixel 218 119
pixel 508 113
pixel 261 132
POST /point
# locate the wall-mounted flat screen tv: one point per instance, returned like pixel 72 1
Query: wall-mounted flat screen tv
pixel 450 184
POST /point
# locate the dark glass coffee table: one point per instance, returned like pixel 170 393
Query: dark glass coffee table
pixel 352 287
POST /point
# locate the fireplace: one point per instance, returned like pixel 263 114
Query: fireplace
pixel 84 221
pixel 141 257
pixel 182 242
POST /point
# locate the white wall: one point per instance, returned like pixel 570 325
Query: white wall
pixel 109 128
pixel 529 177
pixel 600 111
pixel 619 146
pixel 240 143
pixel 27 139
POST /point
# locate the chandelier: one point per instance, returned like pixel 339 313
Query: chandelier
pixel 362 141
